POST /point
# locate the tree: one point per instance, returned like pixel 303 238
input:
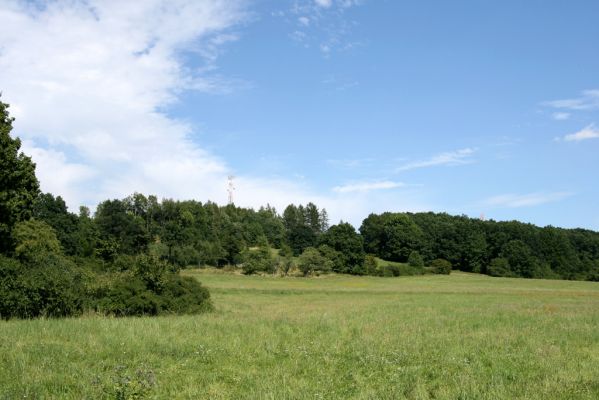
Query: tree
pixel 499 267
pixel 370 265
pixel 53 211
pixel 311 261
pixel 344 239
pixel 259 259
pixel 35 241
pixel 116 223
pixel 400 237
pixel 415 260
pixel 19 186
pixel 520 259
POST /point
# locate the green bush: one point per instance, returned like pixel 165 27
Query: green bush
pixel 415 260
pixel 499 267
pixel 54 288
pixel 130 296
pixel 258 260
pixel 440 266
pixel 370 265
pixel 311 261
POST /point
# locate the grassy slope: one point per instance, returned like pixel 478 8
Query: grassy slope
pixel 460 336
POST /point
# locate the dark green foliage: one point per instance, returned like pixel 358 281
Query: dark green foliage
pixel 259 260
pixel 520 259
pixel 392 236
pixel 344 239
pixel 415 260
pixel 471 244
pixel 35 241
pixel 107 249
pixel 116 224
pixel 19 186
pixel 301 237
pixel 389 269
pixel 440 266
pixel 185 256
pixel 499 267
pixel 303 226
pixel 370 265
pixel 53 287
pixel 333 256
pixel 151 288
pixel 53 211
pixel 312 262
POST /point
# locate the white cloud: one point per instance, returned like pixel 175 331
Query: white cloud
pixel 561 116
pixel 589 132
pixel 324 3
pixel 588 100
pixel 323 24
pixel 304 21
pixel 368 186
pixel 89 81
pixel 525 200
pixel 459 157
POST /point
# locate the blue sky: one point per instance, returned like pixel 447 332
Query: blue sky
pixel 467 107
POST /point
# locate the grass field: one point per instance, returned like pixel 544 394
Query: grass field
pixel 461 336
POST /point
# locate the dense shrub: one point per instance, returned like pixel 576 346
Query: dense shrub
pixel 54 288
pixel 370 265
pixel 311 261
pixel 258 260
pixel 396 269
pixel 440 266
pixel 131 297
pixel 499 267
pixel 415 260
pixel 151 288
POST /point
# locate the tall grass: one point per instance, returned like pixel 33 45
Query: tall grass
pixel 461 336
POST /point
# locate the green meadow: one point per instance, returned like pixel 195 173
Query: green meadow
pixel 462 336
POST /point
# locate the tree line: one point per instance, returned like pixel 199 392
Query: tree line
pixel 123 259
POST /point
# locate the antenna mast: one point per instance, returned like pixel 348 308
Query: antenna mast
pixel 231 188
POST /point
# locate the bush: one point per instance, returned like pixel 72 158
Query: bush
pixel 415 260
pixel 311 262
pixel 128 296
pixel 184 256
pixel 388 270
pixel 370 265
pixel 441 266
pixel 151 290
pixel 258 260
pixel 499 267
pixel 52 289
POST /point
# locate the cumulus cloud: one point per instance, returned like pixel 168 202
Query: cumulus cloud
pixel 560 116
pixel 525 200
pixel 589 132
pixel 588 100
pixel 90 82
pixel 459 157
pixel 367 186
pixel 324 3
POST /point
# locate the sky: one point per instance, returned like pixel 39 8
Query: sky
pixel 482 108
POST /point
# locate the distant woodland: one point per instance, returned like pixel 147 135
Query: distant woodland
pixel 124 258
